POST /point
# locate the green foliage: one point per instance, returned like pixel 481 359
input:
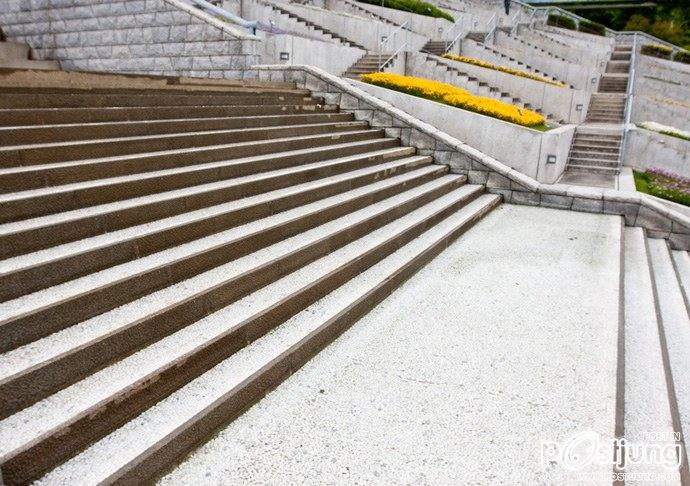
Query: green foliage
pixel 682 56
pixel 592 28
pixel 414 6
pixel 667 30
pixel 664 185
pixel 656 50
pixel 638 23
pixel 561 21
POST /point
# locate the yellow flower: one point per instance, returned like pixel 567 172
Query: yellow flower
pixel 454 96
pixel 503 69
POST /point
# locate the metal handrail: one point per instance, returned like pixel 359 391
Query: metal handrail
pixel 628 102
pixel 609 32
pixel 491 29
pixel 392 36
pixel 515 23
pixel 209 7
pixel 452 43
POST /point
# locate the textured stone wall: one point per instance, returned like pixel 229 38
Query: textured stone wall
pixel 515 187
pixel 131 36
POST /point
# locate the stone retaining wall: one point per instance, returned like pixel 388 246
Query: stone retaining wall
pixel 515 187
pixel 164 37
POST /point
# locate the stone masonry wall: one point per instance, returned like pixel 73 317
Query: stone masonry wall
pixel 164 37
pixel 515 187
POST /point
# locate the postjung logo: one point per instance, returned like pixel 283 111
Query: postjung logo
pixel 587 451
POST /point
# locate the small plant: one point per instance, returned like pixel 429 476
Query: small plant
pixel 666 130
pixel 592 28
pixel 561 21
pixel 682 56
pixel 503 69
pixel 414 6
pixel 664 184
pixel 656 50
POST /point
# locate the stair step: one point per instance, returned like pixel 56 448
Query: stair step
pixel 646 398
pixel 29 64
pixel 312 320
pixel 90 131
pixel 14 51
pixel 25 204
pixel 595 155
pixel 9 117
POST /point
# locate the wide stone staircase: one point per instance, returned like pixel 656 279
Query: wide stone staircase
pixel 161 252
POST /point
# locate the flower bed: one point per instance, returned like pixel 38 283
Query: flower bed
pixel 591 28
pixel 666 130
pixel 682 56
pixel 656 50
pixel 561 21
pixel 503 69
pixel 454 96
pixel 663 184
pixel 414 6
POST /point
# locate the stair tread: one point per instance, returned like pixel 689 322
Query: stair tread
pixel 107 239
pixel 157 422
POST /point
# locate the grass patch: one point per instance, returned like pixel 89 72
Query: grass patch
pixel 664 185
pixel 414 6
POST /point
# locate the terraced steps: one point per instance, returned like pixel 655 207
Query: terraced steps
pixel 437 48
pixel 594 152
pixel 129 280
pixel 311 25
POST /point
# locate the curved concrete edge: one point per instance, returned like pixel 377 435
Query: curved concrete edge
pixel 659 220
pixel 210 19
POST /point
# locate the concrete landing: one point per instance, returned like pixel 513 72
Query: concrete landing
pixel 588 179
pixel 507 339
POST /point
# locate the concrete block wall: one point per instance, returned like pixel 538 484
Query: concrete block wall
pixel 164 37
pixel 516 188
pixel 645 149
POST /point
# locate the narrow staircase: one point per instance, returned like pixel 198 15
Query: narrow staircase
pixel 595 152
pixel 368 63
pixel 437 48
pixel 161 251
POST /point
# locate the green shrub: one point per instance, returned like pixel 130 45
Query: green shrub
pixel 414 6
pixel 656 50
pixel 591 28
pixel 561 21
pixel 682 56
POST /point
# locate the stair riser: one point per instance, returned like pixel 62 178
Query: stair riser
pixel 91 150
pixel 27 208
pixel 233 404
pixel 37 101
pixel 95 115
pixel 32 135
pixel 595 156
pixel 43 276
pixel 58 233
pixel 41 382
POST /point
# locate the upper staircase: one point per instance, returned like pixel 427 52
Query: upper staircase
pixel 152 237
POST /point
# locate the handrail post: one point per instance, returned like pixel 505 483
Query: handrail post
pixel 628 102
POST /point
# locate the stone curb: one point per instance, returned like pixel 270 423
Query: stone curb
pixel 515 187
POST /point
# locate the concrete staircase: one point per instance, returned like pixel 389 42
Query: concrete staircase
pixel 151 238
pixel 615 79
pixel 492 54
pixel 368 63
pixel 437 48
pixel 606 108
pixel 20 56
pixel 278 9
pixel 594 152
pixel 657 336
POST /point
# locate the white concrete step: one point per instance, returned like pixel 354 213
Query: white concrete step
pixel 675 326
pixel 681 262
pixel 29 64
pixel 647 406
pixel 194 405
pixel 13 51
